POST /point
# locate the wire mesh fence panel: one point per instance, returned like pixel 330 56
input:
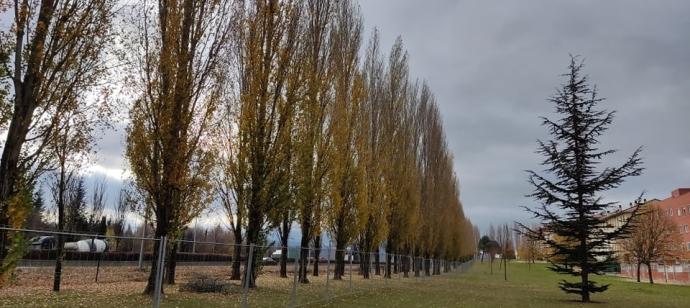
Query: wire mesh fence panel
pixel 275 276
pixel 87 263
pixel 210 269
pixel 120 267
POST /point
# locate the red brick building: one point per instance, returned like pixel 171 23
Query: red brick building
pixel 677 207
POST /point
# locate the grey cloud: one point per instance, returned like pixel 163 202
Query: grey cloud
pixel 493 64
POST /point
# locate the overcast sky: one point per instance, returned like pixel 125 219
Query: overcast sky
pixel 492 64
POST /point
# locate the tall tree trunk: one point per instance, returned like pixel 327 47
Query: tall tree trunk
pixel 236 260
pixel 365 253
pixel 365 263
pixel 377 261
pixel 57 278
pixel 388 265
pixel 171 263
pixel 405 263
pixel 396 264
pixel 638 271
pixel 649 270
pixel 340 244
pixel 417 266
pixel 427 266
pixel 317 253
pixel 254 227
pixel 338 272
pixel 505 269
pixel 3 237
pixel 283 261
pixel 585 282
pixel 161 230
pixel 62 186
pixel 303 258
pixel 284 236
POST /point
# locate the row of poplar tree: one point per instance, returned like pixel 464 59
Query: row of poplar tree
pixel 271 109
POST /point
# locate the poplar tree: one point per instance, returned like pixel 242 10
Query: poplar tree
pixel 433 163
pixel 376 225
pixel 346 178
pixel 177 49
pixel 312 133
pixel 266 37
pixel 570 189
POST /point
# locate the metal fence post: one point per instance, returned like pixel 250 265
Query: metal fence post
pixel 665 272
pixel 306 270
pixel 410 266
pixel 159 272
pixel 141 247
pixel 671 274
pixel 385 268
pixel 371 264
pixel 418 264
pixel 432 266
pixel 247 277
pixel 351 257
pixel 100 256
pixel 428 267
pixel 416 267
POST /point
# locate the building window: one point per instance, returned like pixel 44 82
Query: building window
pixel 678 212
pixel 685 228
pixel 688 245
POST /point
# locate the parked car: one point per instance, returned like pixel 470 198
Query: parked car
pixel 43 243
pixel 268 261
pixel 276 254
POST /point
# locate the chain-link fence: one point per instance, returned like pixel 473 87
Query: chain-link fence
pixel 94 264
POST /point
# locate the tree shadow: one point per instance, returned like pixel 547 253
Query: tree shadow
pixel 577 301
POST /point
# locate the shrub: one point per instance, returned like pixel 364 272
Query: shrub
pixel 201 283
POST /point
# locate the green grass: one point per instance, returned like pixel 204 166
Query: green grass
pixel 537 287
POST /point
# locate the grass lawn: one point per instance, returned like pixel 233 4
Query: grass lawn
pixel 525 288
pixel 475 288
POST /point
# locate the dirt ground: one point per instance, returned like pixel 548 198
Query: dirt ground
pixel 32 286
